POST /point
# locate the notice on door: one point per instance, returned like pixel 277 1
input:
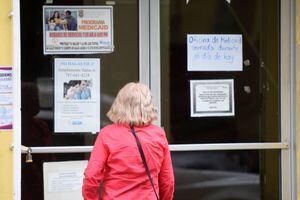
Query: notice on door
pixel 6 98
pixel 212 98
pixel 78 29
pixel 214 52
pixel 77 95
pixel 63 180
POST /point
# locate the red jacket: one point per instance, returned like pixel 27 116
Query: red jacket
pixel 116 161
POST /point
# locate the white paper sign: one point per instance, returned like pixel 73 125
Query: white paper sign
pixel 77 95
pixel 5 79
pixel 6 116
pixel 214 52
pixel 63 180
pixel 212 98
pixel 6 97
pixel 78 29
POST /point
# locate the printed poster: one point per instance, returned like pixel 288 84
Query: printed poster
pixel 212 98
pixel 63 180
pixel 77 95
pixel 78 29
pixel 215 52
pixel 6 117
pixel 6 98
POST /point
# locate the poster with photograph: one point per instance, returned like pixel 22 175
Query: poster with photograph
pixel 78 29
pixel 212 98
pixel 215 52
pixel 77 95
pixel 6 97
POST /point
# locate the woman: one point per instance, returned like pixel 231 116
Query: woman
pixel 54 21
pixel 116 161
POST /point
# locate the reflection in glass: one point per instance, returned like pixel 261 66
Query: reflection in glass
pixel 226 175
pixel 116 68
pixel 207 175
pixel 35 130
pixel 256 87
pixel 32 173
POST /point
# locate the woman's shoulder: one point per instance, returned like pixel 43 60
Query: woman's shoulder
pixel 111 128
pixel 113 132
pixel 108 127
pixel 156 129
pixel 116 127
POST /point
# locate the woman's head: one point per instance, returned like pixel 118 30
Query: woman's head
pixel 133 106
pixel 55 14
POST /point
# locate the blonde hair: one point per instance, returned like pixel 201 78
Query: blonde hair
pixel 133 106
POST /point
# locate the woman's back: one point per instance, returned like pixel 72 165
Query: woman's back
pixel 125 169
pixel 124 175
pixel 116 159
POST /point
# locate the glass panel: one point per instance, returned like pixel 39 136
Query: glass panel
pixel 211 175
pixel 256 87
pixel 32 173
pixel 116 69
pixel 227 175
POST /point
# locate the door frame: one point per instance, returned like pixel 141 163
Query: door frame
pixel 18 149
pixel 16 99
pixel 149 74
pixel 288 176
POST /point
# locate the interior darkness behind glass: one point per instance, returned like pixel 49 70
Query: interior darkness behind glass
pixel 117 69
pixel 256 88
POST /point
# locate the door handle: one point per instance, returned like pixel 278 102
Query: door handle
pixel 26 150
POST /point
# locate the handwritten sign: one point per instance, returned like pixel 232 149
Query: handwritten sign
pixel 214 52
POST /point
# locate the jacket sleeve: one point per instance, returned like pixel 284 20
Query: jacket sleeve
pixel 94 172
pixel 166 177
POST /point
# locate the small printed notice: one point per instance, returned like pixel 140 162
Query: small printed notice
pixel 214 52
pixel 78 29
pixel 77 95
pixel 6 117
pixel 6 79
pixel 212 98
pixel 63 180
pixel 6 98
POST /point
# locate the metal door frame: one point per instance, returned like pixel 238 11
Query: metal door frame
pixel 287 86
pixel 18 149
pixel 149 73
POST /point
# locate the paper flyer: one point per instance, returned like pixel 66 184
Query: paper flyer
pixel 6 98
pixel 6 117
pixel 77 95
pixel 63 180
pixel 212 98
pixel 78 29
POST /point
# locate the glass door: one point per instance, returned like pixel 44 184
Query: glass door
pixel 55 65
pixel 221 91
pixel 244 155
